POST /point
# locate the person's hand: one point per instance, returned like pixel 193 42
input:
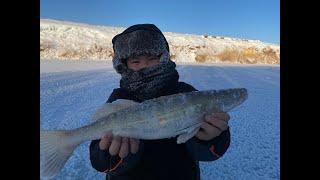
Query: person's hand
pixel 213 125
pixel 119 145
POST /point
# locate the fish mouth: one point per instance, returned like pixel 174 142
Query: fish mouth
pixel 244 93
pixel 243 96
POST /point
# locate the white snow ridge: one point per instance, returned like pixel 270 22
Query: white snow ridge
pixel 77 41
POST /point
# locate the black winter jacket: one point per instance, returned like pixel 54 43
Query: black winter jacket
pixel 159 159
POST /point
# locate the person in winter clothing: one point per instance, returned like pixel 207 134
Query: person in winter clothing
pixel 141 57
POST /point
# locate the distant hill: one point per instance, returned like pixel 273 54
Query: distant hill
pixel 75 41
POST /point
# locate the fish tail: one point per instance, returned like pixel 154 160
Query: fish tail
pixel 55 149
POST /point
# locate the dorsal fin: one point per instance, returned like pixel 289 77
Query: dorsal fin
pixel 109 108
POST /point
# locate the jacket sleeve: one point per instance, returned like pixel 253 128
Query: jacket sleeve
pixel 209 150
pixel 102 161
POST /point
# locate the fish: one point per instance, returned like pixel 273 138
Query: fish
pixel 178 115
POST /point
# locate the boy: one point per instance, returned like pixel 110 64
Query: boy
pixel 141 56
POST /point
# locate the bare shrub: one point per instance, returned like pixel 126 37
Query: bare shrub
pixel 173 57
pixel 249 56
pixel 201 58
pixel 229 55
pixel 46 45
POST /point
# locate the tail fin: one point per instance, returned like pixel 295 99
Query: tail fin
pixel 55 149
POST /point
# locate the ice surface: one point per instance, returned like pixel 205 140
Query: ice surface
pixel 72 90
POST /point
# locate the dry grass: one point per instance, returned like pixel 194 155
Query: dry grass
pixel 93 52
pixel 97 53
pixel 244 56
pixel 46 45
pixel 202 53
pixel 249 56
pixel 173 57
pixel 205 54
pixel 202 58
pixel 228 55
pixel 271 55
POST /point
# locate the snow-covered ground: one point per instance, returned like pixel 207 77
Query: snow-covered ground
pixel 72 90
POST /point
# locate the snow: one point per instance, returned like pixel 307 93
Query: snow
pixel 70 40
pixel 51 66
pixel 70 92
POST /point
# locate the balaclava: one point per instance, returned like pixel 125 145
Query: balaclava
pixel 150 82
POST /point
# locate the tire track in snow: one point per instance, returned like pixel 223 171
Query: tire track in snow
pixel 73 83
pixel 262 77
pixel 251 75
pixel 224 74
pixel 61 96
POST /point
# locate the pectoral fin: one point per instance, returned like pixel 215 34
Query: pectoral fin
pixel 188 133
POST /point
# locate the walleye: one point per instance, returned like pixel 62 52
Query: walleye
pixel 164 117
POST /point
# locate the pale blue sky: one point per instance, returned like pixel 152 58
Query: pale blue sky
pixel 249 19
